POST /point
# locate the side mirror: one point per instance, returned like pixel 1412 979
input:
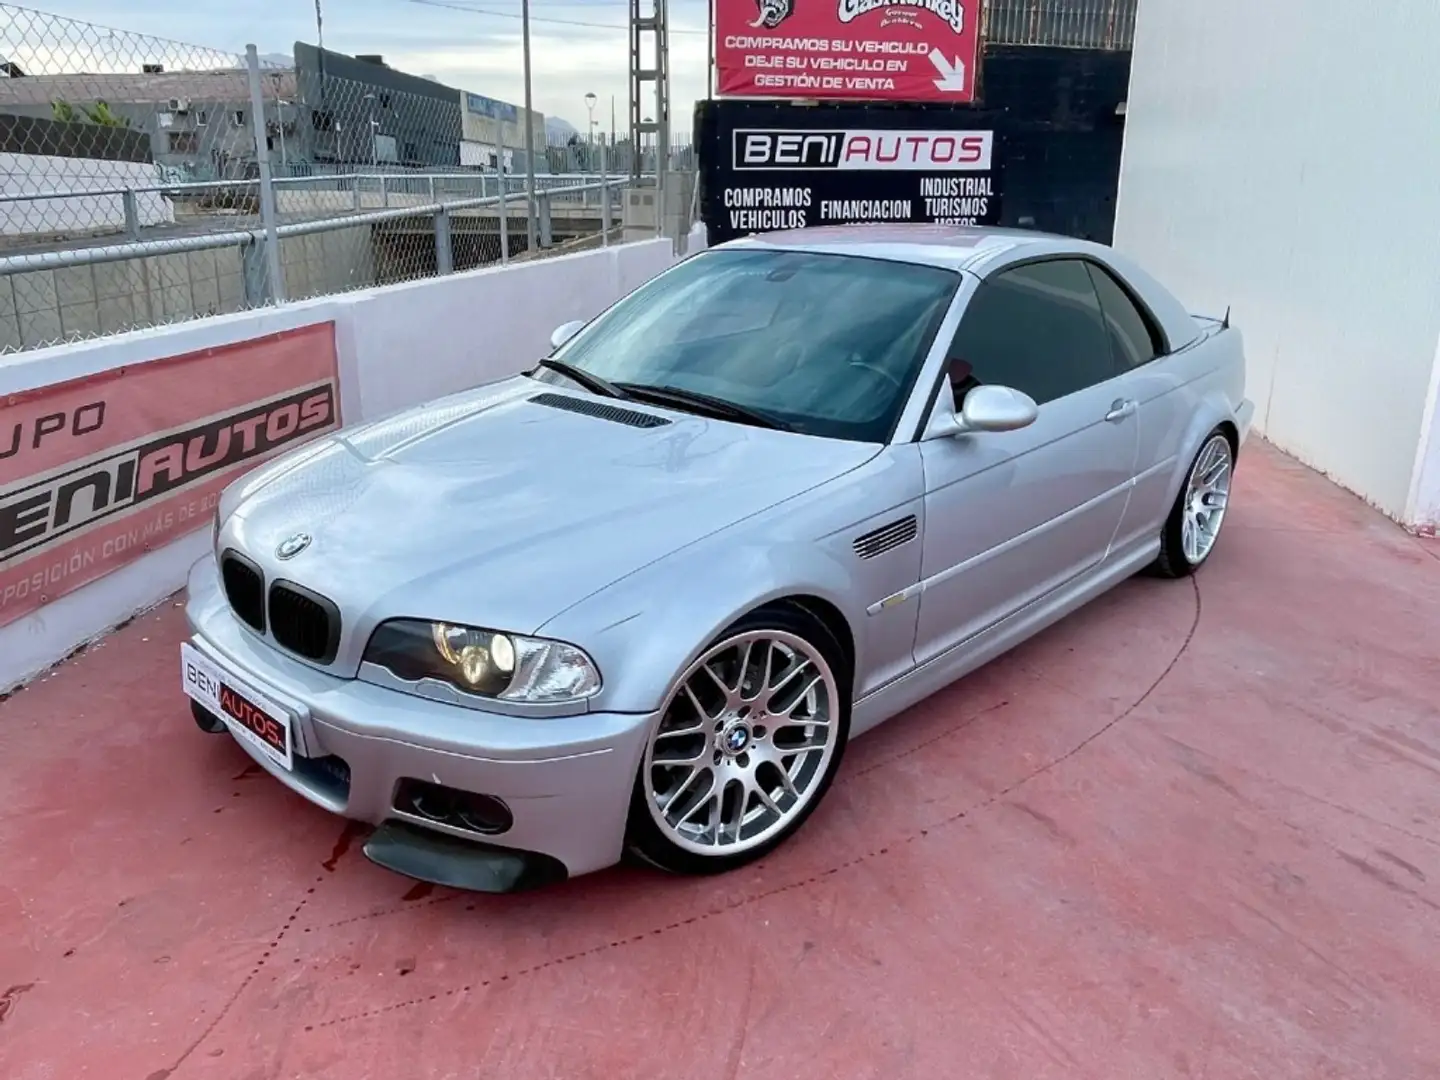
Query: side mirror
pixel 564 333
pixel 997 408
pixel 987 408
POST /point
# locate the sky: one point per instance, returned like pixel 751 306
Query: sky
pixel 472 45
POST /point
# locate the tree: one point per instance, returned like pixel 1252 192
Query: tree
pixel 103 115
pixel 100 114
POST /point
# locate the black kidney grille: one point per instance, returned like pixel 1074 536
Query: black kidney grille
pixel 245 589
pixel 886 537
pixel 306 624
pixel 600 411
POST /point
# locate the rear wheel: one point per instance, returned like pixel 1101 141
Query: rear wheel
pixel 1193 526
pixel 746 747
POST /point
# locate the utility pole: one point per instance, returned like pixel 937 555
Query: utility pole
pixel 657 23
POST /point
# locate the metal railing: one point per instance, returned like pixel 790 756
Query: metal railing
pixel 1074 24
pixel 441 214
pixel 359 186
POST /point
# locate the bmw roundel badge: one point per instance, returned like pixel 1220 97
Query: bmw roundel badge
pixel 292 546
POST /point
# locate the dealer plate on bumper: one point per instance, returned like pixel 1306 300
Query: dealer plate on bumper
pixel 251 716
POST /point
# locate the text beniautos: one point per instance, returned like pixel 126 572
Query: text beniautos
pixel 114 480
pixel 956 151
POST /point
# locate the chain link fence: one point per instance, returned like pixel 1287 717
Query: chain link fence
pixel 145 181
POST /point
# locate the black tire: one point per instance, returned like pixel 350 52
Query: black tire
pixel 648 843
pixel 205 720
pixel 1172 561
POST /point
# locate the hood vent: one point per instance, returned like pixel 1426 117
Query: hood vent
pixel 886 537
pixel 600 411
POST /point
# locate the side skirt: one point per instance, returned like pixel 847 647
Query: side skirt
pixel 961 659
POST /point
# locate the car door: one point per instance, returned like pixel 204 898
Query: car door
pixel 1011 516
pixel 1156 382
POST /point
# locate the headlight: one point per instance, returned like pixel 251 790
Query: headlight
pixel 484 662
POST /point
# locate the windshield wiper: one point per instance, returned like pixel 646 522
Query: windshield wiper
pixel 718 407
pixel 593 383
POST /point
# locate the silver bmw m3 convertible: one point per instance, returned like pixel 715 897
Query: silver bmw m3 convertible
pixel 638 598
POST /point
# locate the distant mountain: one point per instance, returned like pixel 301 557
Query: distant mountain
pixel 274 59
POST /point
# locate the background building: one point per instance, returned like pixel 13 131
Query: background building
pixel 494 134
pixel 198 123
pixel 358 111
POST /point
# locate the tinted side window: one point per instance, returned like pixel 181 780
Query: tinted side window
pixel 1133 339
pixel 1037 328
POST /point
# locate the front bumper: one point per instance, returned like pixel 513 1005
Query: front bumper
pixel 566 780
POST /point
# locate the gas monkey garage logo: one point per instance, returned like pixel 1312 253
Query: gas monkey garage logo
pixel 952 12
pixel 771 13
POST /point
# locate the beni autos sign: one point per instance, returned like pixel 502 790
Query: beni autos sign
pixel 877 50
pixel 767 165
pixel 96 472
pixel 879 151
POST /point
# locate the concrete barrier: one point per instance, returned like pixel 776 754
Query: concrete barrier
pixel 396 346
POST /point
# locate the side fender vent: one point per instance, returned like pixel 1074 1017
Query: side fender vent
pixel 883 539
pixel 599 410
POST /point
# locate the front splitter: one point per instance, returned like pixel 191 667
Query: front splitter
pixel 459 864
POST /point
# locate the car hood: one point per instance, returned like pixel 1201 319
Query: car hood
pixel 494 509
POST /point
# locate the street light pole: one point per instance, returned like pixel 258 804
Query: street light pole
pixel 529 133
pixel 280 104
pixel 590 100
pixel 374 131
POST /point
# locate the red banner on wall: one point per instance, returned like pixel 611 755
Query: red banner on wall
pixel 879 50
pixel 98 471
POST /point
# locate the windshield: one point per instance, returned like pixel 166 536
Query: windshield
pixel 827 345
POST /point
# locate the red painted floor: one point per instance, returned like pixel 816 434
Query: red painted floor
pixel 1194 831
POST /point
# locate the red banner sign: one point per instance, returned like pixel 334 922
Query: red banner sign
pixel 96 472
pixel 878 50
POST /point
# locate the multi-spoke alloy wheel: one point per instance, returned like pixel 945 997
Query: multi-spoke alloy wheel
pixel 1194 523
pixel 744 749
pixel 1206 493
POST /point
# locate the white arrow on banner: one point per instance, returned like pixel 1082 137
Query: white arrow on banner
pixel 952 76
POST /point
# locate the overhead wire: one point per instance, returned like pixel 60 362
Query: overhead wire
pixel 471 9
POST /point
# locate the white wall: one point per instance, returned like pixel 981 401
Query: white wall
pixel 1281 158
pixel 486 324
pixel 398 346
pixel 22 172
pixel 1423 513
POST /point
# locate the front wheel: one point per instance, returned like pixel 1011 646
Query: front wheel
pixel 1194 523
pixel 746 747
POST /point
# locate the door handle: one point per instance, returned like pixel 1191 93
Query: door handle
pixel 1119 410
